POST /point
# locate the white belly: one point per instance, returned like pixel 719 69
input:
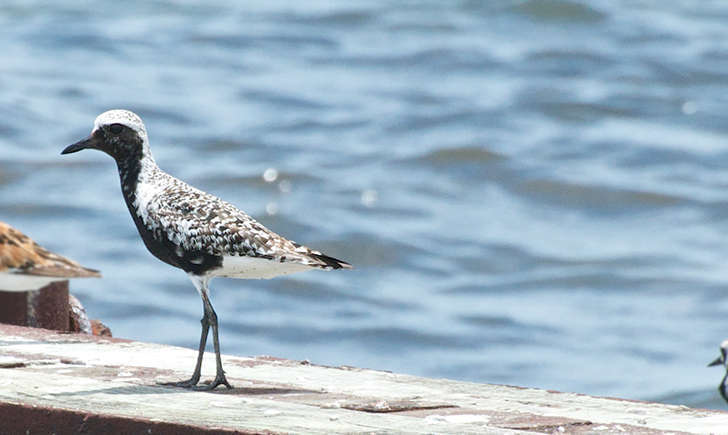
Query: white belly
pixel 255 268
pixel 17 282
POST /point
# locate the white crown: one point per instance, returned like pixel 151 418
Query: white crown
pixel 123 117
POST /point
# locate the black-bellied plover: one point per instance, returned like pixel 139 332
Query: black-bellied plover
pixel 193 230
pixel 721 361
pixel 25 265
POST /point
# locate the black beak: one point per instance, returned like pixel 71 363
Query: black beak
pixel 89 142
pixel 717 362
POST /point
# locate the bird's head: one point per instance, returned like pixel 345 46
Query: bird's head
pixel 119 133
pixel 721 360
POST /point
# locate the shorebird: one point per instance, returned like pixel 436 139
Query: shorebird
pixel 25 265
pixel 192 230
pixel 721 361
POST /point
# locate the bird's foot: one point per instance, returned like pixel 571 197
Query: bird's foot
pixel 189 383
pixel 209 386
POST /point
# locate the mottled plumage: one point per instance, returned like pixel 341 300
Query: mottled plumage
pixel 25 265
pixel 195 221
pixel 190 229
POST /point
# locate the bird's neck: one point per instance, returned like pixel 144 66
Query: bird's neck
pixel 139 184
pixel 135 170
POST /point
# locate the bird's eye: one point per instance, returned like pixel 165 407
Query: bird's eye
pixel 116 128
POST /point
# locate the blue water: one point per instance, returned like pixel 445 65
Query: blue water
pixel 532 192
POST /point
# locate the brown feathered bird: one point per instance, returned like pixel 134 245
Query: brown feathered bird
pixel 25 265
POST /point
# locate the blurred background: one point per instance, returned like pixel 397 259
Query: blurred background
pixel 533 192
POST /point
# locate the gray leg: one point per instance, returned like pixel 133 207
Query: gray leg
pixel 198 367
pixel 209 318
pixel 203 342
pixel 220 373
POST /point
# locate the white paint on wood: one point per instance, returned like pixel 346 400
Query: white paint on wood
pixel 14 281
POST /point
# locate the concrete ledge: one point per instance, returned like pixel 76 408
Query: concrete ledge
pixel 68 383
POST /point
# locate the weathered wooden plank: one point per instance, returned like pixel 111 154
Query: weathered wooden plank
pixel 117 379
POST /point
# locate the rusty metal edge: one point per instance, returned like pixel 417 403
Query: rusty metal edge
pixel 22 418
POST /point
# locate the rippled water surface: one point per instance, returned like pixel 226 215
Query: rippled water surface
pixel 532 192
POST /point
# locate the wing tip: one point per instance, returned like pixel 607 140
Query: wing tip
pixel 331 262
pixel 64 272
